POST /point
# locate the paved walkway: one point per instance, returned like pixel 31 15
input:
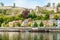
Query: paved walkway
pixel 20 29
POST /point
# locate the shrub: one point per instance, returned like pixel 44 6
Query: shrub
pixel 7 25
pixel 32 15
pixel 56 17
pixel 39 17
pixel 29 24
pixel 3 24
pixel 1 19
pixel 18 24
pixel 41 24
pixel 14 25
pixel 54 24
pixel 35 24
pixel 0 24
pixel 46 17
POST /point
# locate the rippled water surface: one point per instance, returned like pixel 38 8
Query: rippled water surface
pixel 29 36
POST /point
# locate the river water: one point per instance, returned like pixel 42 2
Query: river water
pixel 29 36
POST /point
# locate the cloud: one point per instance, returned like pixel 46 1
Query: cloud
pixel 54 1
pixel 33 3
pixel 24 3
pixel 27 3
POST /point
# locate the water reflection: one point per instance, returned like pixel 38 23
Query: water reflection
pixel 29 36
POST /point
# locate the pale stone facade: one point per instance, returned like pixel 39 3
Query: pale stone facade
pixel 12 11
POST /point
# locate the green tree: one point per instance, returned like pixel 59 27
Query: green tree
pixel 45 12
pixel 58 5
pixel 18 24
pixel 41 24
pixel 4 12
pixel 56 17
pixel 39 17
pixel 46 17
pixel 7 25
pixel 8 19
pixel 54 24
pixel 0 24
pixel 35 24
pixel 32 15
pixel 29 24
pixel 51 12
pixel 1 20
pixel 3 24
pixel 18 17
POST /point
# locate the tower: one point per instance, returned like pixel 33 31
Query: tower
pixel 53 5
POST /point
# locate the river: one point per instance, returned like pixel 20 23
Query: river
pixel 29 36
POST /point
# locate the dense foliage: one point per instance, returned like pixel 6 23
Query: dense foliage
pixel 32 15
pixel 5 15
pixel 56 17
pixel 18 24
pixel 6 19
pixel 41 24
pixel 54 24
pixel 35 24
pixel 25 13
pixel 46 17
pixel 58 5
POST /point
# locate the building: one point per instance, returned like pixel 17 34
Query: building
pixel 37 10
pixel 58 23
pixel 50 9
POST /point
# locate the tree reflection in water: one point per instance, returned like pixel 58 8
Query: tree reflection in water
pixel 35 37
pixel 0 37
pixel 28 36
pixel 5 36
pixel 41 37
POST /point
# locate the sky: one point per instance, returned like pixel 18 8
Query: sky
pixel 28 3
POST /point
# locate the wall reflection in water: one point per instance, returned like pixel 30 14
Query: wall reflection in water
pixel 29 36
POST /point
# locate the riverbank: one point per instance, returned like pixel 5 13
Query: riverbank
pixel 29 29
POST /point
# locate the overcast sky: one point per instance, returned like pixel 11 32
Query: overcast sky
pixel 28 3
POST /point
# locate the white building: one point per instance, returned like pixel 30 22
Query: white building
pixel 58 23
